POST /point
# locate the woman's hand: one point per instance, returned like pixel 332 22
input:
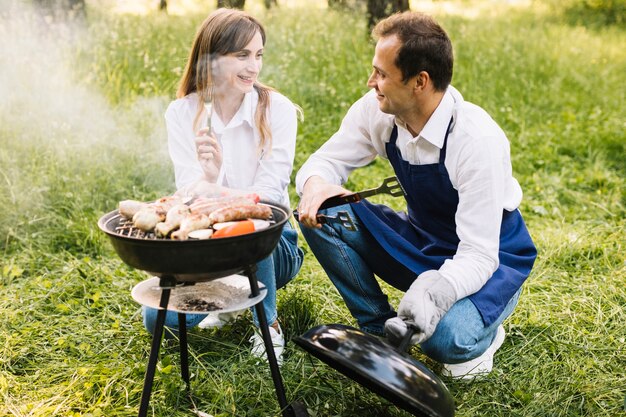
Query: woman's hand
pixel 209 154
pixel 202 188
pixel 316 190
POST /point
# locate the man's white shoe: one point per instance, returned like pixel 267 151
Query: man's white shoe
pixel 278 341
pixel 477 367
pixel 218 320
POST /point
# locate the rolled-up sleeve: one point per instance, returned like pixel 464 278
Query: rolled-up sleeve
pixel 349 148
pixel 479 179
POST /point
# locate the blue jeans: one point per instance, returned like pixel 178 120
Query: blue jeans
pixel 350 260
pixel 275 272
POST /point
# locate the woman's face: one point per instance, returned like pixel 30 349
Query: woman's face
pixel 237 72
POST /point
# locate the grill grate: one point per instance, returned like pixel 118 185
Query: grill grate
pixel 128 229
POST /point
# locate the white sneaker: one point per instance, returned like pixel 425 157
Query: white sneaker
pixel 477 367
pixel 218 320
pixel 278 341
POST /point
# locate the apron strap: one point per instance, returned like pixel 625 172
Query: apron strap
pixel 442 153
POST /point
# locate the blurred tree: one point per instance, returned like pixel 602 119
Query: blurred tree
pixel 62 9
pixel 163 5
pixel 375 9
pixel 234 4
pixel 379 9
pixel 345 4
pixel 270 3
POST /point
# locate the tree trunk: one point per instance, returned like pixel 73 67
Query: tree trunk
pixel 349 5
pixel 379 9
pixel 270 3
pixel 163 5
pixel 233 4
pixel 336 4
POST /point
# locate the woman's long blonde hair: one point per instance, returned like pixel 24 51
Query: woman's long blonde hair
pixel 224 31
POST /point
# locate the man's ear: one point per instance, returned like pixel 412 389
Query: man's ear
pixel 420 81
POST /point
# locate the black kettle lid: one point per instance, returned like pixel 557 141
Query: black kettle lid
pixel 375 364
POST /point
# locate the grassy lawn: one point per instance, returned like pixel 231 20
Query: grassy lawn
pixel 81 128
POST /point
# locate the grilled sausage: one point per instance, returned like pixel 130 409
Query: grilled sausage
pixel 207 206
pixel 250 211
pixel 128 208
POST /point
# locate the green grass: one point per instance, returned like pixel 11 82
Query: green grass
pixel 82 128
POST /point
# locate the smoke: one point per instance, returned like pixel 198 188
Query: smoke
pixel 39 93
pixel 56 130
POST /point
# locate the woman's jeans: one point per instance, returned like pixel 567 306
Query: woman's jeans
pixel 349 258
pixel 274 272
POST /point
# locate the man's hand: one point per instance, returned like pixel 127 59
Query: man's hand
pixel 209 154
pixel 427 300
pixel 316 190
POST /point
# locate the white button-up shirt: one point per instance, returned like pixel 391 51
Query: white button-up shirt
pixel 477 160
pixel 245 167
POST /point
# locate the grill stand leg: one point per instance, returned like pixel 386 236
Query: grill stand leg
pixel 287 409
pixel 184 352
pixel 154 351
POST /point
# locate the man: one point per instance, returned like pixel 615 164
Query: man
pixel 462 250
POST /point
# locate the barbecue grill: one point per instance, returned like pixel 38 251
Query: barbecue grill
pixel 187 262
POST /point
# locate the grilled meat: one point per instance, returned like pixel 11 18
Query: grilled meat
pixel 190 223
pixel 209 205
pixel 128 208
pixel 240 212
pixel 173 218
pixel 170 213
pixel 148 216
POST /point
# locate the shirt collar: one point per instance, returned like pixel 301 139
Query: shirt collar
pixel 437 125
pixel 246 110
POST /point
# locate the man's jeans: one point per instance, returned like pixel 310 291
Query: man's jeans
pixel 350 260
pixel 275 272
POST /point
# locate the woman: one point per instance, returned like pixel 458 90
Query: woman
pixel 248 145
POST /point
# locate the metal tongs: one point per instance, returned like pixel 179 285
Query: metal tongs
pixel 390 185
pixel 342 217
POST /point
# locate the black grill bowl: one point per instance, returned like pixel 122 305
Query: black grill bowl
pixel 195 260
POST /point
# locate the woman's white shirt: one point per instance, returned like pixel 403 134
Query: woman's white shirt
pixel 245 166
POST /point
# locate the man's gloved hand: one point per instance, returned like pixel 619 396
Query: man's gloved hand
pixel 426 301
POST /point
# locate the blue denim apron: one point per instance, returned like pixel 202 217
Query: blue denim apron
pixel 425 238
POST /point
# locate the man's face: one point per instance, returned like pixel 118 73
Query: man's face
pixel 394 96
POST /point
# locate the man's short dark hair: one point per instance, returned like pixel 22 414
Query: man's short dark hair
pixel 425 46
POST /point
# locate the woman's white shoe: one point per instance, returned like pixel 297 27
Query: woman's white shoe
pixel 218 320
pixel 477 367
pixel 278 341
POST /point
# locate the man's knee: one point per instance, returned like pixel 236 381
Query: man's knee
pixel 458 335
pixel 452 343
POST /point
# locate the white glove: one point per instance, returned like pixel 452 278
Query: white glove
pixel 426 301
